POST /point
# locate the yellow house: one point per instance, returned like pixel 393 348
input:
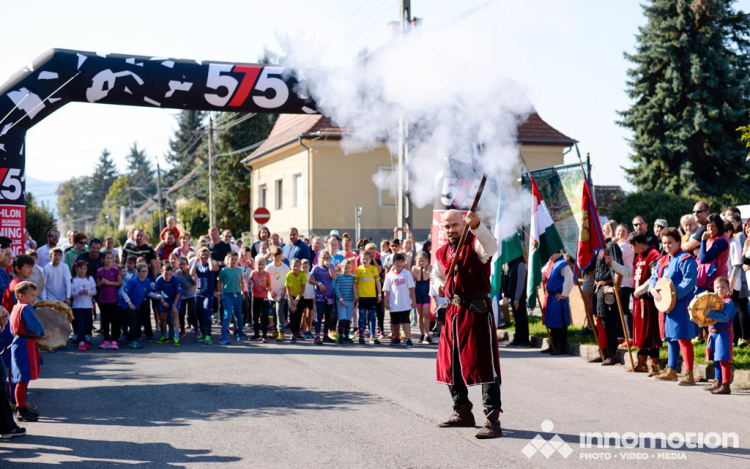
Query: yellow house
pixel 302 176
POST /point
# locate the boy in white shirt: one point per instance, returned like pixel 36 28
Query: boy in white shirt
pixel 399 298
pixel 277 295
pixel 56 278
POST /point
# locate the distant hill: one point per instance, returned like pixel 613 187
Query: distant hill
pixel 43 191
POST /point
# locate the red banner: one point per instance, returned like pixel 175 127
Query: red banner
pixel 590 236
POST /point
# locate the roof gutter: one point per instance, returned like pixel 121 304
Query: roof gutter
pixel 298 138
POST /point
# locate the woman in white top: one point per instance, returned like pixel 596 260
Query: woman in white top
pixel 185 248
pixel 626 287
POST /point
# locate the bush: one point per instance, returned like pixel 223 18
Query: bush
pixel 151 227
pixel 194 217
pixel 653 205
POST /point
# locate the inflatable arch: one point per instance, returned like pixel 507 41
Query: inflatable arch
pixel 60 76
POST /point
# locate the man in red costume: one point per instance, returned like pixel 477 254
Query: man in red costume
pixel 467 354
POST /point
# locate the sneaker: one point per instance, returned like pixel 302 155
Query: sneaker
pixel 18 431
pixel 293 340
pixel 274 334
pixel 376 341
pixel 381 334
pixel 200 338
pixel 240 337
pixel 409 343
pixel 74 338
pixel 150 340
pixel 318 341
pixel 334 335
pixel 88 339
pixel 208 341
pixel 427 339
pixel 224 342
pixel 308 335
pixel 350 336
pixel 280 337
pixel 362 339
pixel 197 334
pixel 255 338
pixel 162 340
pixel 264 340
pixel 414 324
pixel 182 334
pixel 421 340
pixel 327 339
pixel 88 346
pixel 395 342
pixel 106 344
pixel 135 345
pixel 82 347
pixel 402 335
pixel 176 342
pixel 367 334
pixel 115 346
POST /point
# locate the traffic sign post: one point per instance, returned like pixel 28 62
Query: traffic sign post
pixel 261 215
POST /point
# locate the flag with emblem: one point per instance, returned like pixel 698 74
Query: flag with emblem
pixel 590 236
pixel 544 240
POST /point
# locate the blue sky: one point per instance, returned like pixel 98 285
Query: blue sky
pixel 568 54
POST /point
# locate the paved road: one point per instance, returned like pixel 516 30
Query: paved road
pixel 283 405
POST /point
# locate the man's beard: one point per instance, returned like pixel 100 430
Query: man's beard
pixel 454 241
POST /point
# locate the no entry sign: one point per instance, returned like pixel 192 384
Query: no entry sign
pixel 261 215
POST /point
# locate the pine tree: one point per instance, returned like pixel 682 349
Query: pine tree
pixel 141 174
pixel 104 175
pixel 72 205
pixel 185 147
pixel 233 179
pixel 689 89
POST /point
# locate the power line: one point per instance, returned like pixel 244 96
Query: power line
pixel 461 16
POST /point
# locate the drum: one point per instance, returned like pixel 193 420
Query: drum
pixel 55 317
pixel 702 305
pixel 666 289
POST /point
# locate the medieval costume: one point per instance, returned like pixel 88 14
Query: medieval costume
pixel 557 310
pixel 606 304
pixel 719 347
pixel 646 335
pixel 678 328
pixel 468 352
pixel 24 353
pixel 514 288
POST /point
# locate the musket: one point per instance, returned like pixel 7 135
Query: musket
pixel 465 231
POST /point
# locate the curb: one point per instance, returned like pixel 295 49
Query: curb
pixel 702 372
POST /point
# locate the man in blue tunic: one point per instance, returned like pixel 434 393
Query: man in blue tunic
pixel 557 311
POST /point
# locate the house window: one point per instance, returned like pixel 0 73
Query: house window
pixel 297 190
pixel 386 180
pixel 279 189
pixel 262 195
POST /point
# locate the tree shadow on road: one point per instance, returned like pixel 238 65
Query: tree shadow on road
pixel 74 452
pixel 177 404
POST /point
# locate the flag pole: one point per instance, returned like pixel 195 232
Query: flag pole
pixel 589 314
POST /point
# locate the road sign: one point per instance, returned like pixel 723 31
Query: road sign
pixel 261 215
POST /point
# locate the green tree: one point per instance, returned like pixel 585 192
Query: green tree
pixel 689 87
pixel 39 219
pixel 185 147
pixel 104 175
pixel 72 202
pixel 233 180
pixel 117 196
pixel 194 217
pixel 141 173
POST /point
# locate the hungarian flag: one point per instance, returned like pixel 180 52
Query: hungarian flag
pixel 544 241
pixel 509 245
pixel 590 236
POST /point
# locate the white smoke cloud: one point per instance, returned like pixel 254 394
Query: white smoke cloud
pixel 447 84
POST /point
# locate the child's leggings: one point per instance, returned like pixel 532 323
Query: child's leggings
pixel 110 318
pixel 83 318
pixel 367 315
pixel 324 311
pixel 674 346
pixel 260 316
pixel 20 393
pixel 723 371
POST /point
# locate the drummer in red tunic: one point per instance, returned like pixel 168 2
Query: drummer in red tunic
pixel 468 352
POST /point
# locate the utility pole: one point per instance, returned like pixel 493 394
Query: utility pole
pixel 358 223
pixel 211 175
pixel 403 210
pixel 161 201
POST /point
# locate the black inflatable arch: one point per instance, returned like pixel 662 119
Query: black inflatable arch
pixel 60 76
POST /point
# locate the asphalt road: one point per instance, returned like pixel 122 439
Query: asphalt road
pixel 283 405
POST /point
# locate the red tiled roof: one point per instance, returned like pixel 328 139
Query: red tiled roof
pixel 290 127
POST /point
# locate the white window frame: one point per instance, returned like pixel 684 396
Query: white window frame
pixel 297 193
pixel 278 201
pixel 263 195
pixel 380 190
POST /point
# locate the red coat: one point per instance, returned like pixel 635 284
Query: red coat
pixel 473 334
pixel 646 331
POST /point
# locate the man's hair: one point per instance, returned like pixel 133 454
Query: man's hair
pixel 398 257
pixel 22 260
pixel 79 236
pixel 640 216
pixel 723 280
pixel 23 287
pixel 636 237
pixel 95 241
pixel 733 209
pixel 53 229
pixel 703 202
pixel 203 248
pixel 54 250
pixel 672 233
pixel 275 251
pixel 109 238
pixel 293 229
pixel 5 242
